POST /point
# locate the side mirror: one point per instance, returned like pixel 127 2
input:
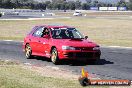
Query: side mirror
pixel 86 37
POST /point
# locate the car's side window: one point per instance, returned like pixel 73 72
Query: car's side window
pixel 38 32
pixel 33 29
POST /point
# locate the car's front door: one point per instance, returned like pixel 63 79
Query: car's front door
pixel 36 37
pixel 44 46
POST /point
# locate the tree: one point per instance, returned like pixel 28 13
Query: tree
pixel 122 3
pixel 78 4
pixel 0 3
pixel 47 3
pixel 94 3
pixel 7 4
pixel 85 6
pixel 129 5
pixel 71 5
pixel 62 6
pixel 50 6
pixel 67 6
pixel 88 1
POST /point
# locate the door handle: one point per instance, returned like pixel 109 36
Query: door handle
pixel 29 39
pixel 39 41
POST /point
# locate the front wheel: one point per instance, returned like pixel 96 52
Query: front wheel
pixel 54 56
pixel 28 52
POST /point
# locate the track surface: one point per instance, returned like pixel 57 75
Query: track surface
pixel 90 15
pixel 115 63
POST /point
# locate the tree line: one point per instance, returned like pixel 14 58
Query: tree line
pixel 59 4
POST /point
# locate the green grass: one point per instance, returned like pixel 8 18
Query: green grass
pixel 116 32
pixel 15 76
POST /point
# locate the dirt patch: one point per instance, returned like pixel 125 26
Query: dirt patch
pixel 56 72
pixel 52 72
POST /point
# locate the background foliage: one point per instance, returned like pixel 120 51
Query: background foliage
pixel 59 4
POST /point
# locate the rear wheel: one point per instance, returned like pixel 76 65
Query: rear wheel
pixel 54 56
pixel 28 52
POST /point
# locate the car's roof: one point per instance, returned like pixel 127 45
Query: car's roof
pixel 56 26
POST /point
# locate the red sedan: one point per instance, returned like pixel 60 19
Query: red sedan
pixel 60 42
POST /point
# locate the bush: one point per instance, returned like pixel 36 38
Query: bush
pixel 130 6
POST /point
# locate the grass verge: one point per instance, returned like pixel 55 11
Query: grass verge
pixel 13 75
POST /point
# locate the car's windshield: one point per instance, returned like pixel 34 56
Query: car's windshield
pixel 66 33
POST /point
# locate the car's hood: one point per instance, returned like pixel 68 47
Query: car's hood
pixel 76 42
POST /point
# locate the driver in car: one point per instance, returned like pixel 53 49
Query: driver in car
pixel 45 32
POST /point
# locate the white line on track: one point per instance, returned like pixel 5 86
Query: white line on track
pixel 8 40
pixel 37 18
pixel 119 47
pixel 27 19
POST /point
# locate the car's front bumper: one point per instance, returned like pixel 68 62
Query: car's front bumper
pixel 80 55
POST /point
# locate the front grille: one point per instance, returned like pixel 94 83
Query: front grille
pixel 84 48
pixel 84 55
pixel 80 55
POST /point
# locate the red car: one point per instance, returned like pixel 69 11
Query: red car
pixel 60 42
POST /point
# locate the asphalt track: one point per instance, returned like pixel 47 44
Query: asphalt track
pixel 25 14
pixel 115 63
pixel 27 17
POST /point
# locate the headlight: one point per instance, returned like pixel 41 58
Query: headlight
pixel 96 48
pixel 68 48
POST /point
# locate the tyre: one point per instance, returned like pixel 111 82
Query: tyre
pixel 28 52
pixel 54 56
